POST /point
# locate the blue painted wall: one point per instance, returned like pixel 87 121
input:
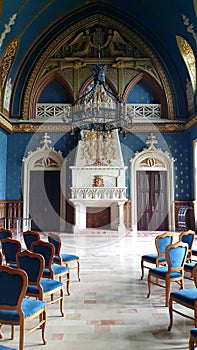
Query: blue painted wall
pixel 3 162
pixel 178 145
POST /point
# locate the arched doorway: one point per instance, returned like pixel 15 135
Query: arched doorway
pixel 43 194
pixel 152 189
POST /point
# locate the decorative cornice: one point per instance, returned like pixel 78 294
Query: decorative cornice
pixel 191 123
pixel 5 124
pixel 62 128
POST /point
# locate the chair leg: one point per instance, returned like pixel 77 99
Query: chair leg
pixel 171 315
pixel 68 283
pixel 149 284
pixel 191 344
pixel 62 301
pixel 78 270
pixel 1 334
pixel 44 317
pixel 142 269
pixel 167 292
pixel 22 336
pixel 12 334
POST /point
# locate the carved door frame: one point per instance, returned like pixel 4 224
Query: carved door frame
pixel 44 158
pixel 152 159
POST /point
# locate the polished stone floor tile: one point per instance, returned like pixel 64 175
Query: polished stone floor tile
pixel 109 308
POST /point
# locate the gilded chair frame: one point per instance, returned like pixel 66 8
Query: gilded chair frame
pixel 11 242
pixel 182 239
pixel 158 257
pixel 49 263
pixel 55 239
pixel 21 320
pixel 189 306
pixel 192 339
pixel 51 289
pixel 8 233
pixel 166 278
pixel 33 235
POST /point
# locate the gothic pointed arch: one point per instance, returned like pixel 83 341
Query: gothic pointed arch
pixel 44 159
pixel 74 51
pixel 149 159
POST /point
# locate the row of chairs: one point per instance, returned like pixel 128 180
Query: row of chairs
pixel 173 261
pixel 37 267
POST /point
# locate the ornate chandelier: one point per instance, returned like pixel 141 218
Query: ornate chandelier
pixel 98 108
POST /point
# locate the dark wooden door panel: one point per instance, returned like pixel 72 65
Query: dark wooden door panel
pixel 44 200
pixel 152 210
pixel 98 217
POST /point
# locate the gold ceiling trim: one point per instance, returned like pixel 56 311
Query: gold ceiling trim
pixel 62 128
pixel 191 123
pixel 5 124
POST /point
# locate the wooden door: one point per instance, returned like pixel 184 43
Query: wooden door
pixel 152 208
pixel 44 200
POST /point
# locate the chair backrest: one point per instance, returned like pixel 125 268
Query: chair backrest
pixel 55 239
pixel 194 274
pixel 46 249
pixel 176 255
pixel 1 259
pixel 162 241
pixel 187 237
pixel 30 237
pixel 10 247
pixel 5 233
pixel 32 264
pixel 13 284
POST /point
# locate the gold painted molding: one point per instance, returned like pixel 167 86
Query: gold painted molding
pixel 5 124
pixel 62 128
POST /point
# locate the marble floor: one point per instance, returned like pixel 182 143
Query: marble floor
pixel 108 308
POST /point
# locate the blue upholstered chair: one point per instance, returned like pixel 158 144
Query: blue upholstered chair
pixel 3 347
pixel 38 287
pixel 5 233
pixel 186 297
pixel 188 268
pixel 70 260
pixel 174 271
pixel 158 258
pixel 15 308
pixel 29 237
pixel 10 247
pixel 193 338
pixel 51 270
pixel 188 237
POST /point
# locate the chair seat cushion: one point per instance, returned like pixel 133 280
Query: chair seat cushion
pixel 2 347
pixel 65 258
pixel 187 296
pixel 47 285
pixel 57 270
pixel 162 270
pixel 193 332
pixel 29 307
pixel 150 258
pixel 189 266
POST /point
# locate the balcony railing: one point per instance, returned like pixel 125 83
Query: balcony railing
pixel 58 111
pixel 98 193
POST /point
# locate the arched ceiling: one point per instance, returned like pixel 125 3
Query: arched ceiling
pixel 37 23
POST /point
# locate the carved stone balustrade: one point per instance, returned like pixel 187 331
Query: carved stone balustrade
pixel 99 193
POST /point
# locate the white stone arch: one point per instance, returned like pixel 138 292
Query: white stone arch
pixel 44 158
pixel 152 159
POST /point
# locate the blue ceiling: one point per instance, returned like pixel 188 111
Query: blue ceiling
pixel 36 23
